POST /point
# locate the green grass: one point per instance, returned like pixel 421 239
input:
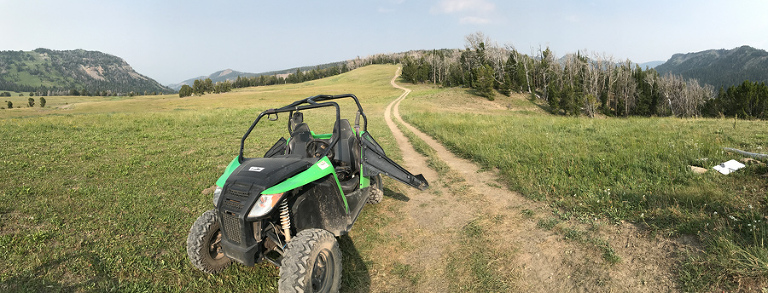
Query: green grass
pixel 632 169
pixel 473 267
pixel 101 196
pixel 98 194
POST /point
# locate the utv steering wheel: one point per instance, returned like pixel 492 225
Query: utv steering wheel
pixel 316 148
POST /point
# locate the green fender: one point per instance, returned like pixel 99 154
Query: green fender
pixel 228 171
pixel 322 168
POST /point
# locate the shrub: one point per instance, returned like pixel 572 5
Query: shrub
pixel 185 91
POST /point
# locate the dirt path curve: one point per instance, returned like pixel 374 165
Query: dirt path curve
pixel 430 226
pixel 536 259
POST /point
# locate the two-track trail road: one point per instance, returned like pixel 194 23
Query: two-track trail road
pixel 468 232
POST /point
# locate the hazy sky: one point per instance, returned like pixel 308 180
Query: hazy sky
pixel 171 41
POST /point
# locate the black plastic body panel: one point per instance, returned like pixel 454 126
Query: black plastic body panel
pixel 239 194
pixel 376 162
pixel 320 205
pixel 278 148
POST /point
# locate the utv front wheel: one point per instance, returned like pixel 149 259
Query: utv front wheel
pixel 204 244
pixel 312 263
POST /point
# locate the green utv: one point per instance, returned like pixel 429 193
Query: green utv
pixel 288 207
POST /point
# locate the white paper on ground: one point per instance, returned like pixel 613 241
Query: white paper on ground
pixel 728 167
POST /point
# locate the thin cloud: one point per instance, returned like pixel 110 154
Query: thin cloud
pixel 467 11
pixel 456 6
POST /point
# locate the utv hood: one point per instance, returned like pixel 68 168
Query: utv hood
pixel 266 172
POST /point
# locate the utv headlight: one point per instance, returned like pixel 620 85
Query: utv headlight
pixel 264 205
pixel 216 195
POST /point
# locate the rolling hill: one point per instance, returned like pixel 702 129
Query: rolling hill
pixel 720 67
pixel 44 70
pixel 231 75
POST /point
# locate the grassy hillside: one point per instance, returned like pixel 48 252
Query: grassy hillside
pixel 44 70
pixel 622 169
pixel 100 195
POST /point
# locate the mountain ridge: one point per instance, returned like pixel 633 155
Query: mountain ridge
pixel 720 67
pixel 44 70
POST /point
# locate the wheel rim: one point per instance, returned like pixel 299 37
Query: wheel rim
pixel 322 272
pixel 214 246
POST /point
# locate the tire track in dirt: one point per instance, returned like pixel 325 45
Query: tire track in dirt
pixel 537 260
pixel 429 227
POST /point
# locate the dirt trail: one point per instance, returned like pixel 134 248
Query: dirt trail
pixel 535 259
pixel 429 224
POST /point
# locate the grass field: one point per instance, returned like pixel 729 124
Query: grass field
pixel 632 169
pixel 100 195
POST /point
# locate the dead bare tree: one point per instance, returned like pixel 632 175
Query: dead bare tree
pixel 672 88
pixel 527 74
pixel 594 82
pixel 625 88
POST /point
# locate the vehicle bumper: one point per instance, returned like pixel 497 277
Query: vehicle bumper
pixel 243 255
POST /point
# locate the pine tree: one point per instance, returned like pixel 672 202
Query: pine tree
pixel 484 81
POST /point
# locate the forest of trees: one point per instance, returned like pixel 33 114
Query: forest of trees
pixel 575 84
pixel 748 100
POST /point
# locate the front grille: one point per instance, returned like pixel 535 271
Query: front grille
pixel 232 204
pixel 232 227
pixel 238 193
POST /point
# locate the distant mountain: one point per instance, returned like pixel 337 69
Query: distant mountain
pixel 720 67
pixel 231 75
pixel 651 64
pixel 218 76
pixel 51 70
pixel 643 66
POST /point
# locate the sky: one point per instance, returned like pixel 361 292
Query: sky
pixel 171 41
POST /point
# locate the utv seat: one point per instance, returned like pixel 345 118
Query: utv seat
pixel 346 154
pixel 300 137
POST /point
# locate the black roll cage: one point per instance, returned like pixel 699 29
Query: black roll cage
pixel 306 104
